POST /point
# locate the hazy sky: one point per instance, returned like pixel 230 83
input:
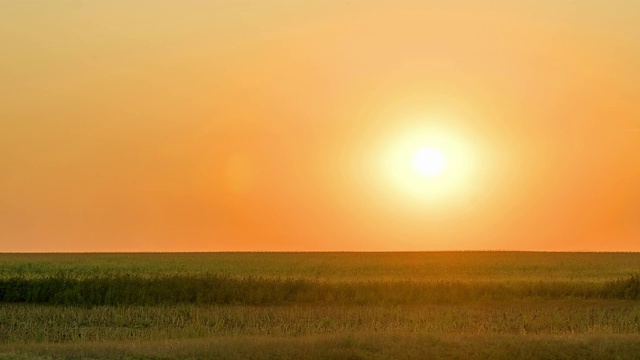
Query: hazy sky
pixel 271 125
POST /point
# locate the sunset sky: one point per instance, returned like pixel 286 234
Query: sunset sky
pixel 264 125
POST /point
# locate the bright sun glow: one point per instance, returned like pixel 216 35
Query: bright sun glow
pixel 429 162
pixel 429 165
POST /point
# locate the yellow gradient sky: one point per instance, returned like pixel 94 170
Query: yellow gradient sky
pixel 282 125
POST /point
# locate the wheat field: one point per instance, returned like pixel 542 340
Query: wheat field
pixel 436 305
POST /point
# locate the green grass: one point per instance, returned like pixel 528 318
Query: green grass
pixel 465 305
pixel 215 289
pixel 341 267
pixel 57 324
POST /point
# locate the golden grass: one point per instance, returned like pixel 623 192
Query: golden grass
pixel 355 346
pixel 446 305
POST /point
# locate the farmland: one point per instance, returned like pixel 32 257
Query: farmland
pixel 320 305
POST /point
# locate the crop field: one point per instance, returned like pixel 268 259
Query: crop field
pixel 422 305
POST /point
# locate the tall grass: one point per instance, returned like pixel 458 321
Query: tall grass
pixel 218 289
pixel 20 323
pixel 389 305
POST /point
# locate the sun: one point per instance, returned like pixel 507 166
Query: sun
pixel 429 162
pixel 431 166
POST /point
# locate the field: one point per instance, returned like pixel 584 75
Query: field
pixel 435 305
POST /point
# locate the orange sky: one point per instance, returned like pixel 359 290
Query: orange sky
pixel 261 125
